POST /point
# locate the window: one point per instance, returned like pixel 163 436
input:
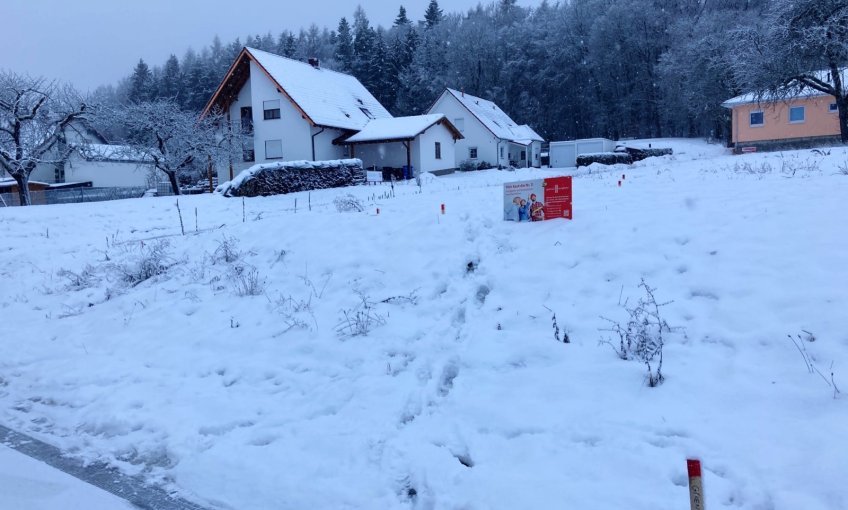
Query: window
pixel 59 173
pixel 472 153
pixel 273 149
pixel 438 150
pixel 460 124
pixel 832 108
pixel 796 114
pixel 272 109
pixel 523 155
pixel 248 155
pixel 757 119
pixel 367 113
pixel 502 152
pixel 247 120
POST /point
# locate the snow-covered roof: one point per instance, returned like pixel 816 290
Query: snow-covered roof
pixel 400 128
pixel 495 119
pixel 328 98
pixel 104 152
pixel 803 92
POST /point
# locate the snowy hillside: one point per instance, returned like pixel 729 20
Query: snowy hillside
pixel 229 363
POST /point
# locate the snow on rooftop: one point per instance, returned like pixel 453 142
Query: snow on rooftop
pixel 803 92
pixel 399 128
pixel 104 152
pixel 495 119
pixel 329 98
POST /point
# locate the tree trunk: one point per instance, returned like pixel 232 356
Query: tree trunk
pixel 23 187
pixel 175 187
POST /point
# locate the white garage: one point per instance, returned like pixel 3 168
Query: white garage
pixel 564 154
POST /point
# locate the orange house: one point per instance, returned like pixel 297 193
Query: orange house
pixel 801 120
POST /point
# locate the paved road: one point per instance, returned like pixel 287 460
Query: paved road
pixel 130 488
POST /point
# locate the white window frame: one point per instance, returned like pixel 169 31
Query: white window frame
pixel 832 108
pixel 476 153
pixel 270 106
pixel 751 123
pixel 266 149
pixel 803 114
pixel 459 122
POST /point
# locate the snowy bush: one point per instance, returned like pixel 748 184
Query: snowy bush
pixel 151 260
pixel 641 336
pixel 78 281
pixel 227 250
pixel 294 176
pixel 348 203
pixel 604 158
pixel 468 165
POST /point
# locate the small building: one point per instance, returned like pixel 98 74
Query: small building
pixel 9 195
pixel 564 154
pixel 490 135
pixel 92 159
pixel 417 142
pixel 802 119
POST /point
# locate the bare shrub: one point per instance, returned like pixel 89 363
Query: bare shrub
pixel 361 319
pixel 641 337
pixel 294 311
pixel 152 259
pixel 78 281
pixel 247 281
pixel 348 203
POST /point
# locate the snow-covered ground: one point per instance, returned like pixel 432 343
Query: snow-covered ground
pixel 26 484
pixel 458 396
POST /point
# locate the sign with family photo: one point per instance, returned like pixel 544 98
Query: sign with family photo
pixel 538 200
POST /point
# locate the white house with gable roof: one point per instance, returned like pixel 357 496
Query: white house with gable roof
pixel 295 110
pixel 490 135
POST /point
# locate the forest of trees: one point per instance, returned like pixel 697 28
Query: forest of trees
pixel 571 69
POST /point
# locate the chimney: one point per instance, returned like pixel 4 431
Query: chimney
pixel 314 62
pixel 463 91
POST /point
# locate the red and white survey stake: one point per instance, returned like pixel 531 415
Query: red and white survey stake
pixel 696 488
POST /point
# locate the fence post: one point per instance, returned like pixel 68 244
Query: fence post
pixel 696 488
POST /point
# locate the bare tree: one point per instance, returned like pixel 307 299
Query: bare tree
pixel 800 45
pixel 34 113
pixel 174 140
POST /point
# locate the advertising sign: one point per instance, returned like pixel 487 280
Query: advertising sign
pixel 538 200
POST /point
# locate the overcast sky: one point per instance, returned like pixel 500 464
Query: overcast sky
pixel 94 42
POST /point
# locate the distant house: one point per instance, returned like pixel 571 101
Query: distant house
pixel 292 110
pixel 801 119
pixel 93 160
pixel 491 136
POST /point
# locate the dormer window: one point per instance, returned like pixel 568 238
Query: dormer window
pixel 367 113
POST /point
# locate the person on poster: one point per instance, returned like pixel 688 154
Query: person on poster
pixel 537 209
pixel 523 211
pixel 511 212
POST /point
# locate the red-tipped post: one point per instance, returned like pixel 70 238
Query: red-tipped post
pixel 622 177
pixel 619 184
pixel 378 211
pixel 696 488
pixel 443 208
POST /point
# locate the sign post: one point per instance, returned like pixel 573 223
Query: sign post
pixel 696 488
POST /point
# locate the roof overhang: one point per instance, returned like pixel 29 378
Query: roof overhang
pixel 237 75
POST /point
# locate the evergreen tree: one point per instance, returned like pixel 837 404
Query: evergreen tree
pixel 363 48
pixel 344 47
pixel 433 15
pixel 402 20
pixel 169 84
pixel 142 87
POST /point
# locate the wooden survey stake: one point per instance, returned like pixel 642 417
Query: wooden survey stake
pixel 696 488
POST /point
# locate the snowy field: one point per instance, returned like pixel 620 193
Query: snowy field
pixel 236 374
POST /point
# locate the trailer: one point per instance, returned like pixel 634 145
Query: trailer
pixel 564 154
